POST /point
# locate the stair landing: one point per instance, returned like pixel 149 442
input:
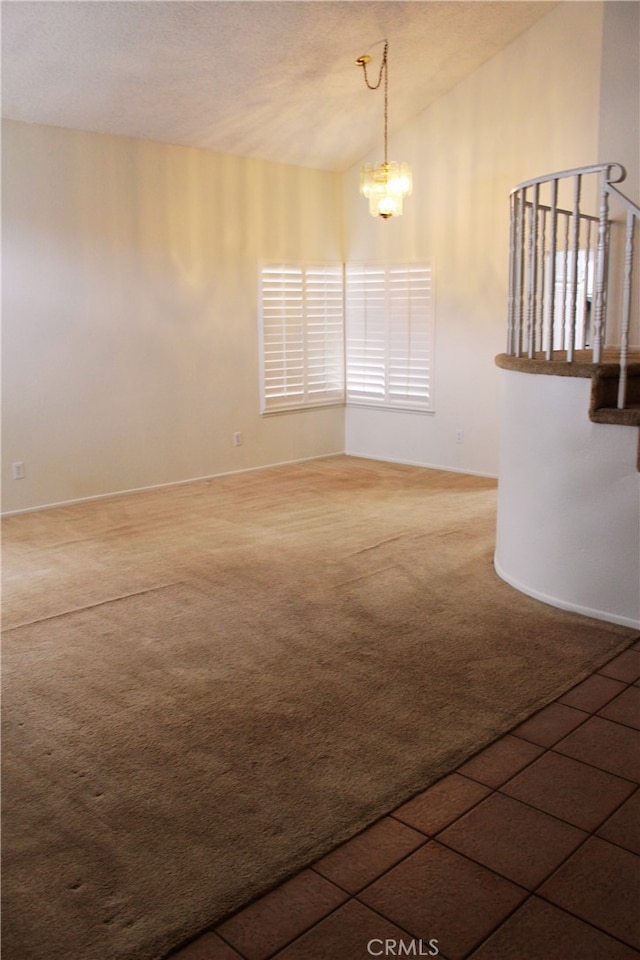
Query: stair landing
pixel 604 380
pixel 604 376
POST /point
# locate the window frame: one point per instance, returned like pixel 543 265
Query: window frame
pixel 391 378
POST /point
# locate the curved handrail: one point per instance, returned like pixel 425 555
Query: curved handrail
pixel 574 172
pixel 629 204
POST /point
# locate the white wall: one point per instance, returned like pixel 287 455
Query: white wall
pixel 568 536
pixel 620 137
pixel 130 311
pixel 532 109
pixel 620 91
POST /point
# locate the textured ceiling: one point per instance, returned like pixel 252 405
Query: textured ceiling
pixel 275 80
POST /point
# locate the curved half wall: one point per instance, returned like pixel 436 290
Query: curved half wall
pixel 568 529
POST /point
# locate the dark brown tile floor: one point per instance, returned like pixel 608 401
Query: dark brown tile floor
pixel 529 851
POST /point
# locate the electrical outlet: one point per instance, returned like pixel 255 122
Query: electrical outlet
pixel 237 438
pixel 18 470
pixel 459 436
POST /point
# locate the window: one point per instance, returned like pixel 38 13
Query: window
pixel 390 335
pixel 382 312
pixel 302 335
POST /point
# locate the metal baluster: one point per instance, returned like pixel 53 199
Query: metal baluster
pixel 512 278
pixel 575 243
pixel 519 265
pixel 587 299
pixel 532 270
pixel 626 312
pixel 542 276
pixel 565 264
pixel 601 270
pixel 553 246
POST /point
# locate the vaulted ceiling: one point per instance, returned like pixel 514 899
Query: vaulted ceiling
pixel 274 79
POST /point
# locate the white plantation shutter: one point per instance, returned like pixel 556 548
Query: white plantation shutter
pixel 365 301
pixel 302 335
pixel 390 334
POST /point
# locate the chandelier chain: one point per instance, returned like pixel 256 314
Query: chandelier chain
pixel 384 68
pixel 363 63
pixel 386 102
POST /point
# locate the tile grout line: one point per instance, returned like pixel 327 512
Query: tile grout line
pixel 550 749
pixel 497 927
pixel 435 837
pixel 532 896
pixel 589 923
pixel 428 838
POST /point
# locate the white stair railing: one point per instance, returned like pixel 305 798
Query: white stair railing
pixel 571 286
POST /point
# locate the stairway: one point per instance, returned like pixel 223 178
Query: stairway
pixel 604 395
pixel 573 283
pixel 603 405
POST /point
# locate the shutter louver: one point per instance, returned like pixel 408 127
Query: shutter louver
pixel 302 330
pixel 390 334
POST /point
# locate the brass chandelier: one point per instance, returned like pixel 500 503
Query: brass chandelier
pixel 385 186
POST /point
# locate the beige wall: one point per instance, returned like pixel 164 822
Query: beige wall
pixel 532 109
pixel 130 313
pixel 620 91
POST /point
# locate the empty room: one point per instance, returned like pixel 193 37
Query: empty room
pixel 320 479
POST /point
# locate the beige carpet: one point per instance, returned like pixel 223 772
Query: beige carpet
pixel 207 687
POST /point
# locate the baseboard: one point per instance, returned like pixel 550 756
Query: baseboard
pixel 165 486
pixel 566 605
pixel 425 466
